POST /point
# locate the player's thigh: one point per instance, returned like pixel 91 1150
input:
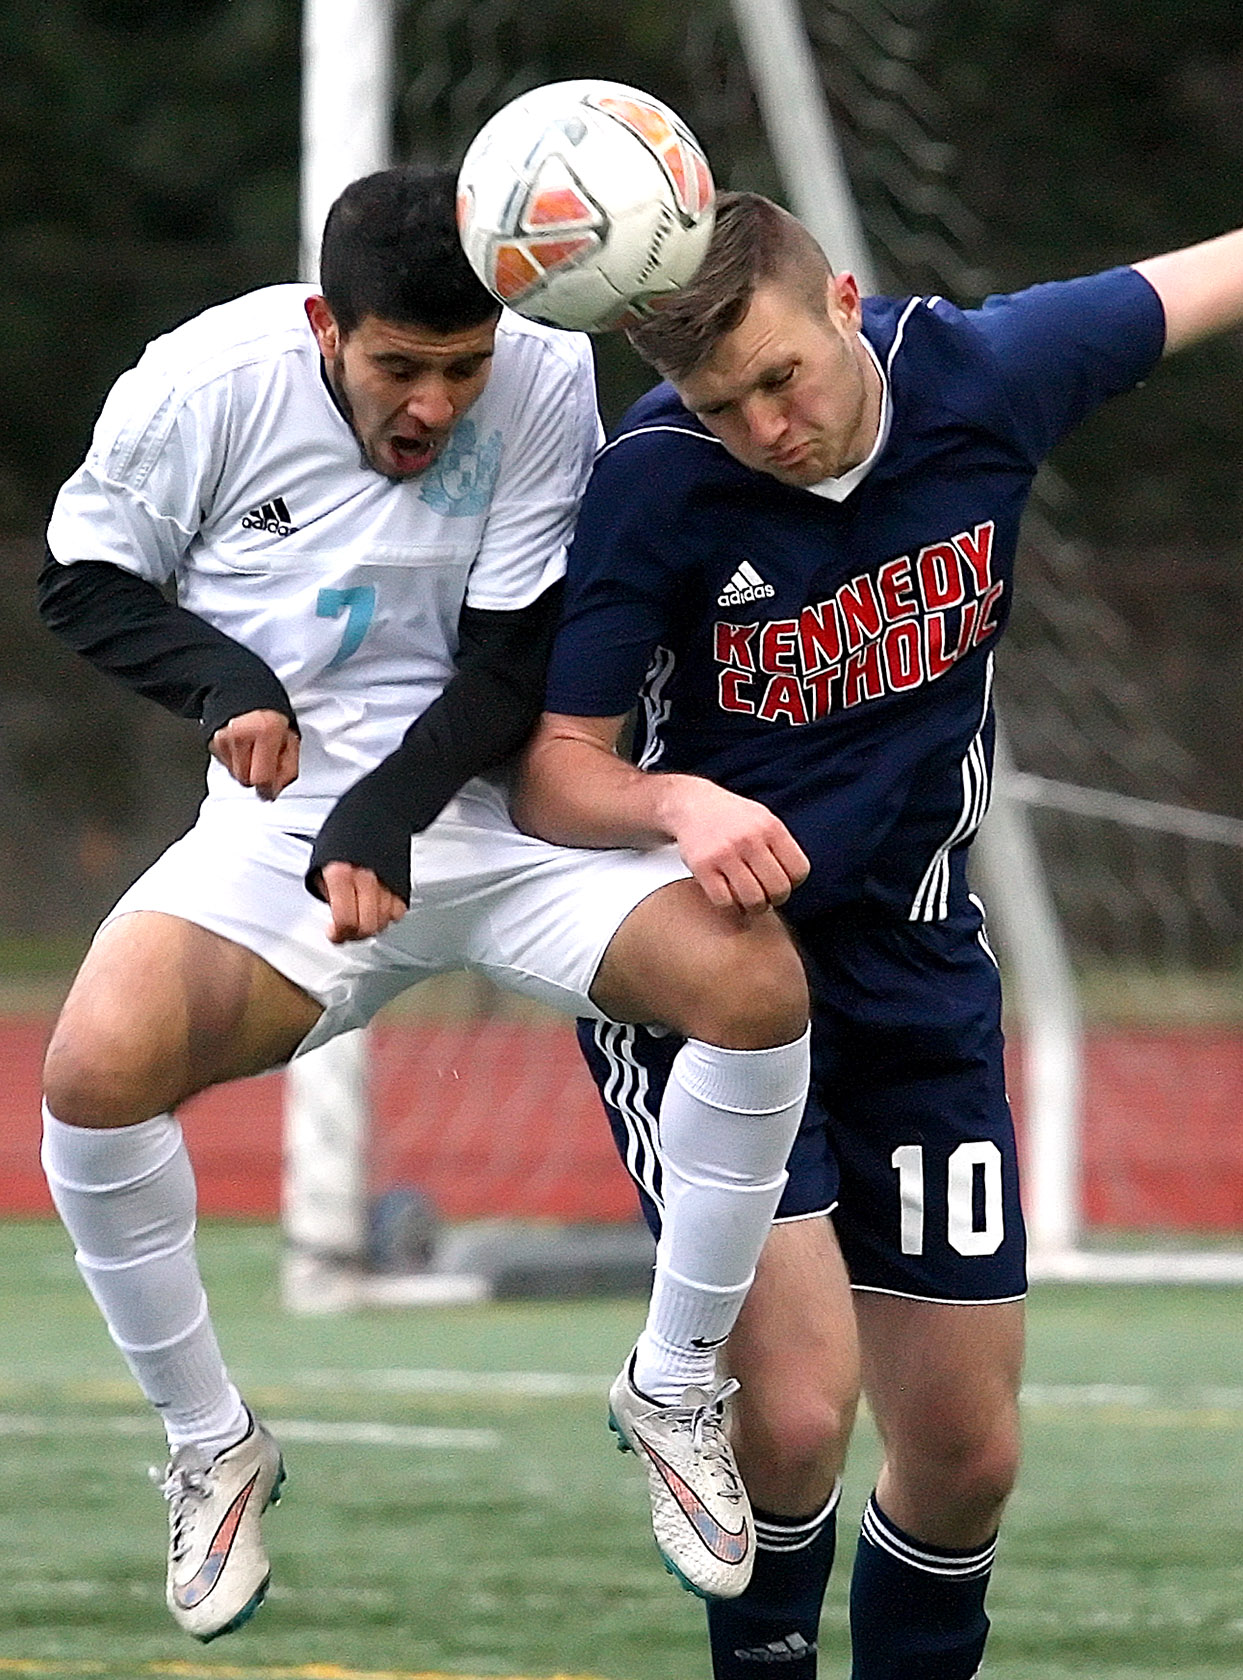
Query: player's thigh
pixel 213 965
pixel 615 933
pixel 795 1354
pixel 160 1009
pixel 942 1381
pixel 708 973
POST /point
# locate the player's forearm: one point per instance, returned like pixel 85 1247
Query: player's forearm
pixel 578 792
pixel 575 791
pixel 1201 289
pixel 471 728
pixel 479 720
pixel 124 626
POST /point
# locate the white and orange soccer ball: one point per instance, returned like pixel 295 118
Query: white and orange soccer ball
pixel 582 204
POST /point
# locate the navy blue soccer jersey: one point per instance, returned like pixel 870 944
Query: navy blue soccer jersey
pixel 831 654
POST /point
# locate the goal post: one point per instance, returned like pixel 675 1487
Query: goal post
pixel 348 82
pixel 347 103
pixel 1085 886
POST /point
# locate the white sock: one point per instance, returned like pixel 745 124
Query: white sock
pixel 727 1121
pixel 126 1195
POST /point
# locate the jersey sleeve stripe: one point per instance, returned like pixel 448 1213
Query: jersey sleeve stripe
pixel 656 707
pixel 900 333
pixel 931 902
pixel 642 431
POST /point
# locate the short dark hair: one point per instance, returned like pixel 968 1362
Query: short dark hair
pixel 391 250
pixel 753 242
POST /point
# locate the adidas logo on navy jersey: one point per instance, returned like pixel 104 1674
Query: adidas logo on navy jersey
pixel 791 1649
pixel 745 585
pixel 273 517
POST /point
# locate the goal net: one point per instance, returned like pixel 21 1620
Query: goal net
pixel 1116 901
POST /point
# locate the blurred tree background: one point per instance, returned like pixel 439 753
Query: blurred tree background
pixel 148 168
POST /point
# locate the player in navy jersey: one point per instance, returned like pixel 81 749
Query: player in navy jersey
pixel 798 554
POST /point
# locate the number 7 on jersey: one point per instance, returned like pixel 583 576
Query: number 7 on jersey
pixel 358 604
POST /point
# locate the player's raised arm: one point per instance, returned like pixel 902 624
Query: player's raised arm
pixel 575 790
pixel 1201 289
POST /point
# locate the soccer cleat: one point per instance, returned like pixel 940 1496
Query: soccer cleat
pixel 217 1568
pixel 701 1515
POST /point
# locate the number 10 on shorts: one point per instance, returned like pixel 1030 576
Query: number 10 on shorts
pixel 969 1164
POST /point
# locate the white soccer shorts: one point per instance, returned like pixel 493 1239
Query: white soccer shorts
pixel 535 918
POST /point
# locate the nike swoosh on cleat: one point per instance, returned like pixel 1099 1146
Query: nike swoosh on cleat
pixel 207 1574
pixel 727 1545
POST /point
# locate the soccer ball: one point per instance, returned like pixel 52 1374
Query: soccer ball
pixel 582 204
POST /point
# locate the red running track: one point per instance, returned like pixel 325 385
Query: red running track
pixel 498 1117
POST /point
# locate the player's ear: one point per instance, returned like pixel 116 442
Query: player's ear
pixel 328 334
pixel 844 301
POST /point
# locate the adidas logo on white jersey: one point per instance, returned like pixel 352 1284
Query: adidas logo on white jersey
pixel 790 1649
pixel 745 585
pixel 273 517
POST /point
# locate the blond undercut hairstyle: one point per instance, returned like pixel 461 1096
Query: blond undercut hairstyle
pixel 754 243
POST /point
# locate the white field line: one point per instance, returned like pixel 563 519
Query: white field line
pixel 352 1434
pixel 539 1385
pixel 533 1386
pixel 250 1671
pixel 520 1385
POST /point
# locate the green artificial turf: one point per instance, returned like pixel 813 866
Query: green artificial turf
pixel 455 1507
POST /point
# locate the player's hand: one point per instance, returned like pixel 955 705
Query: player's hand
pixel 259 750
pixel 738 851
pixel 361 904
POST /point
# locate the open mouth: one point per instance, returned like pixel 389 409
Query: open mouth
pixel 411 455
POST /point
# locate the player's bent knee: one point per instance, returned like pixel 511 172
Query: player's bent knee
pixel 994 1471
pixel 749 991
pixel 114 1052
pixel 87 1085
pixel 764 997
pixel 706 973
pixel 791 1459
pixel 104 1070
pixel 975 1471
pixel 801 1432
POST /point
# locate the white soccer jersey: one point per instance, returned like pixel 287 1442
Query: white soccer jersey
pixel 220 461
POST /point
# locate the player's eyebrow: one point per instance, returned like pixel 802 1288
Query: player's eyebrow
pixel 776 374
pixel 394 359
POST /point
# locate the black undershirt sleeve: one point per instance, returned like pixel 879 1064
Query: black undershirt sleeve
pixel 483 715
pixel 125 626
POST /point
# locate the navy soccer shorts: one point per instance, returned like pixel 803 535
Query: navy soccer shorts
pixel 907 1136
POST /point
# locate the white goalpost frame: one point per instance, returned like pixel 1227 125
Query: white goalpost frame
pixel 348 85
pixel 347 102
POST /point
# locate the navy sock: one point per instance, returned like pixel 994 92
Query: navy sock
pixel 916 1611
pixel 772 1629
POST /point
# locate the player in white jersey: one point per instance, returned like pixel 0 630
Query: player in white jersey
pixel 362 500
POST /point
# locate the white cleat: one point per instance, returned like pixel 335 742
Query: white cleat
pixel 701 1515
pixel 217 1568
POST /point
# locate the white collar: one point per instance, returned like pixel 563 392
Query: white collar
pixel 837 489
